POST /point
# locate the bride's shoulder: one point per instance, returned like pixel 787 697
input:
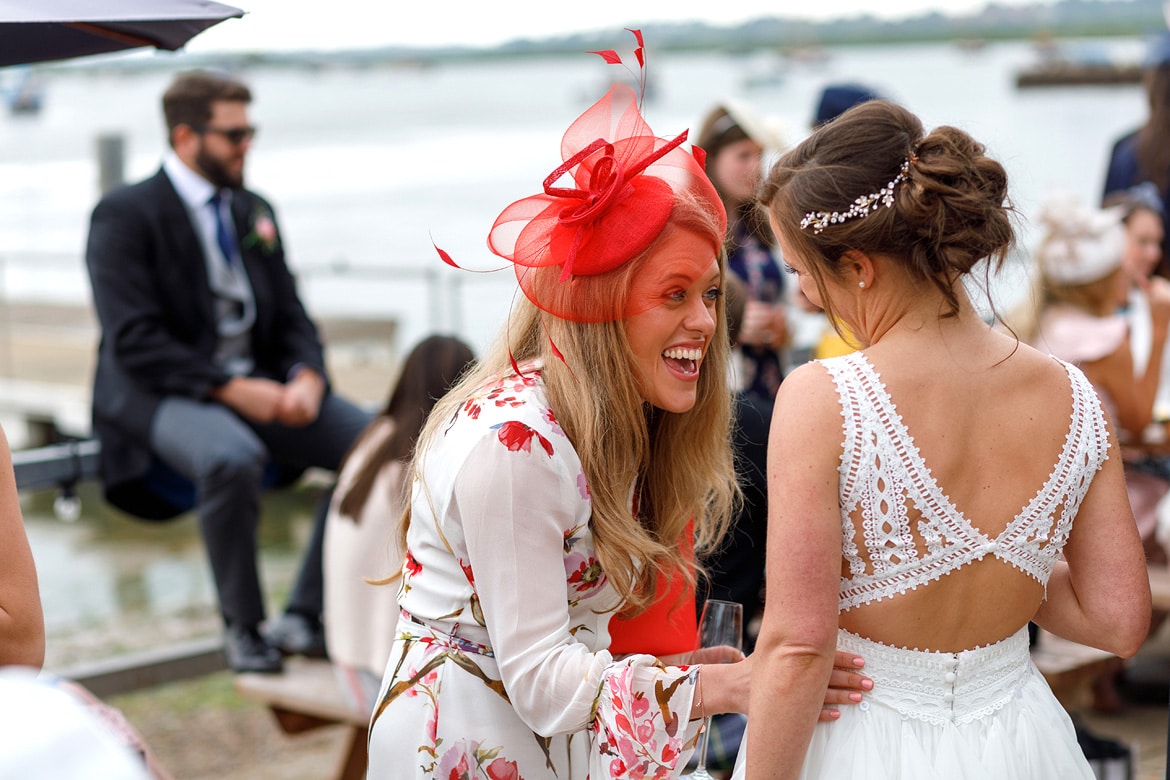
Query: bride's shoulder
pixel 807 390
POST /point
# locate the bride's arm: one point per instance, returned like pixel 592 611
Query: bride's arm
pixel 795 650
pixel 1101 596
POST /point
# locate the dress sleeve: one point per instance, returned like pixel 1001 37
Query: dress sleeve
pixel 517 497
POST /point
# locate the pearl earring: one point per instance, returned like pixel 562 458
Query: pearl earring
pixel 861 284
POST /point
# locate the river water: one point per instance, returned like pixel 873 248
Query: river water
pixel 368 166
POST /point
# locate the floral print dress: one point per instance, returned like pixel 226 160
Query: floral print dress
pixel 499 669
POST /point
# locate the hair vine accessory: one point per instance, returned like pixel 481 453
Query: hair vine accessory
pixel 862 207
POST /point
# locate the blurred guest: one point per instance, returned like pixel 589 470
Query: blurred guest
pixel 735 139
pixel 1144 154
pixel 210 373
pixel 363 532
pixel 1142 213
pixel 838 98
pixel 1081 317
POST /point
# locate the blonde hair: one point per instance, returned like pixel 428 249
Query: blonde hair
pixel 1098 297
pixel 682 463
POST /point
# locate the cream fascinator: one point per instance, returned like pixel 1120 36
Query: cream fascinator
pixel 1081 244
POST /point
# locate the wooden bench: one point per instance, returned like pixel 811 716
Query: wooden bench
pixel 306 696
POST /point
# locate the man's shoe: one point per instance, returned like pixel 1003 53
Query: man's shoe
pixel 296 634
pixel 247 651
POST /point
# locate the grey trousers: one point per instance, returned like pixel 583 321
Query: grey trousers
pixel 225 456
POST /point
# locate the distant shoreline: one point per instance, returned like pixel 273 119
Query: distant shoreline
pixel 996 23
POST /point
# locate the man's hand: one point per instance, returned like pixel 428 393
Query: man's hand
pixel 301 401
pixel 256 399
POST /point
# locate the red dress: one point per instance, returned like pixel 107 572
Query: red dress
pixel 669 624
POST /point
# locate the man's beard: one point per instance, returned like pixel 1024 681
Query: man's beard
pixel 216 172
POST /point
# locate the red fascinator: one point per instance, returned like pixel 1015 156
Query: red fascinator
pixel 600 209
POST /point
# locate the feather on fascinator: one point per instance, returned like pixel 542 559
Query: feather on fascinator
pixel 603 206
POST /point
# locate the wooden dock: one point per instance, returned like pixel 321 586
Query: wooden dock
pixel 1074 74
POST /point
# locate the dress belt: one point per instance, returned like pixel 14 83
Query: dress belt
pixel 433 635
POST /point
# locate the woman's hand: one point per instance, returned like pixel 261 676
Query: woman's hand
pixel 846 686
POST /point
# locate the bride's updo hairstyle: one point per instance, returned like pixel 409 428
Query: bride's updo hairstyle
pixel 872 181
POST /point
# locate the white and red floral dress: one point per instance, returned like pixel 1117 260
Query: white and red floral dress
pixel 500 670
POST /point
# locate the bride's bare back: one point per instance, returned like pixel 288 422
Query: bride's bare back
pixel 983 451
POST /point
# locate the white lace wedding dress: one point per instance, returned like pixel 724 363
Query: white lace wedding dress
pixel 984 713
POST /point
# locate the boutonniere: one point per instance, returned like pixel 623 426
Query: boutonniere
pixel 263 232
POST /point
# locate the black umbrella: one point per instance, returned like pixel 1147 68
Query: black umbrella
pixel 40 30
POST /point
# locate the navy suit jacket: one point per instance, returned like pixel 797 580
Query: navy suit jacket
pixel 158 329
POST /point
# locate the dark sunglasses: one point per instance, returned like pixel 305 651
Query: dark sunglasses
pixel 233 135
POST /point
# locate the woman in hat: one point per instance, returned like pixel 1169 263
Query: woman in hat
pixel 556 484
pixel 1084 288
pixel 735 140
pixel 933 492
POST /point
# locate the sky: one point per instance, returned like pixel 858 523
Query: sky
pixel 287 25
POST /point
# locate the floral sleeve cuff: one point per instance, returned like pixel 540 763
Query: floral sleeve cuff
pixel 642 725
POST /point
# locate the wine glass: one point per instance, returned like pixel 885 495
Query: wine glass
pixel 720 625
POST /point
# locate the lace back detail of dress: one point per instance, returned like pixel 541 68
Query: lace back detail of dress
pixel 882 475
